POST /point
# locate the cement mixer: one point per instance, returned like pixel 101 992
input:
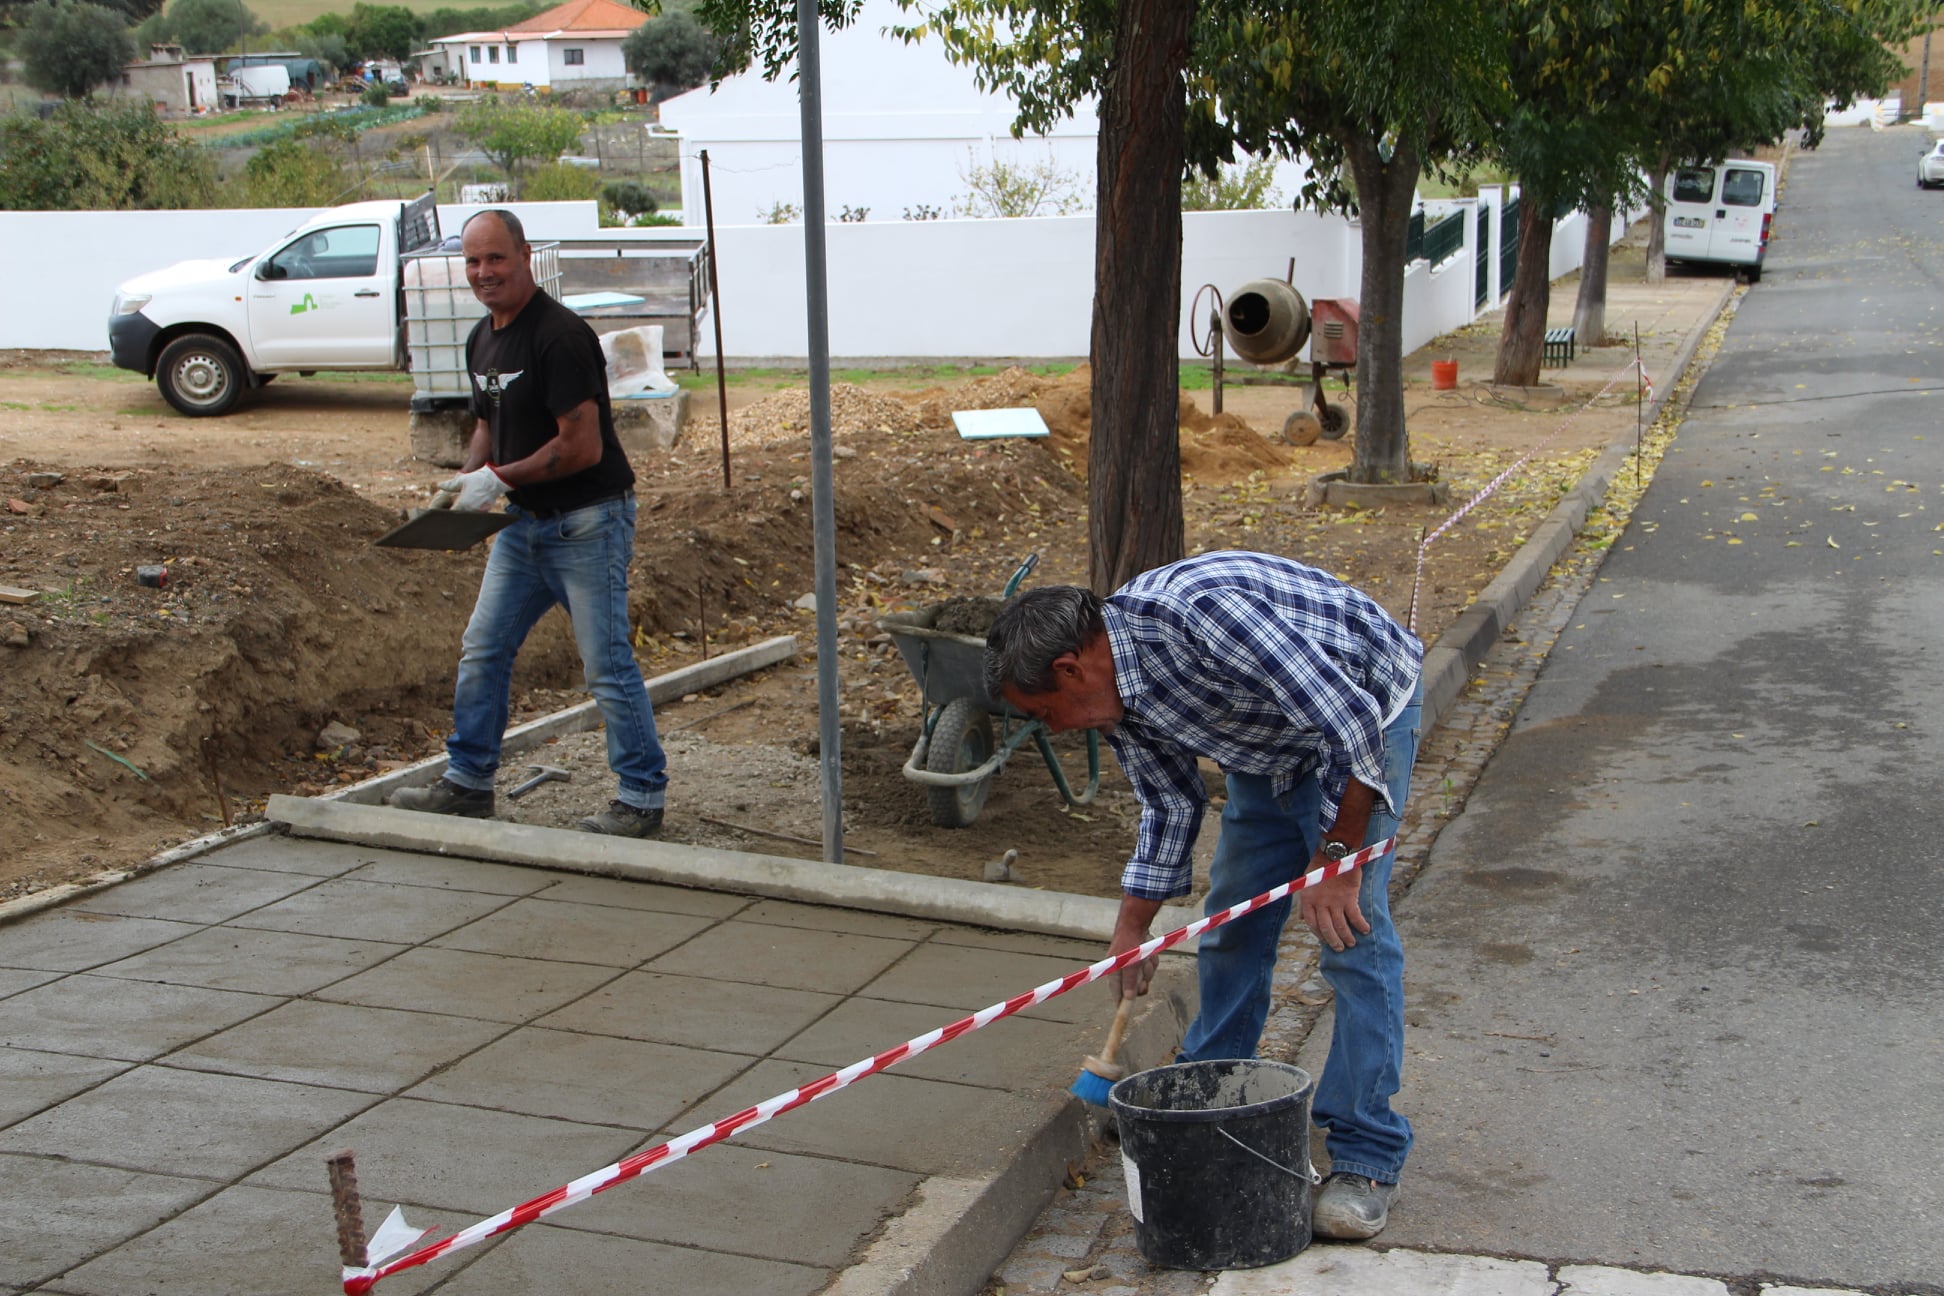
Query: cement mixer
pixel 1266 322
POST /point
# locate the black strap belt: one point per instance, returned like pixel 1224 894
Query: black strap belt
pixel 548 514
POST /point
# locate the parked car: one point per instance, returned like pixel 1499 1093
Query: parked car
pixel 1930 167
pixel 1721 214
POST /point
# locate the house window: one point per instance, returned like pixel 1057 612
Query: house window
pixel 573 57
pixel 492 53
pixel 512 53
pixel 475 53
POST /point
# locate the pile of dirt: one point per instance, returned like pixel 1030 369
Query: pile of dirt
pixel 1216 447
pixel 785 415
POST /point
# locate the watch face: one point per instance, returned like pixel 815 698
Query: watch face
pixel 1335 850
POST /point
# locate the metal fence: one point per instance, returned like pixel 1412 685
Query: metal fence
pixel 1508 243
pixel 1445 239
pixel 1481 257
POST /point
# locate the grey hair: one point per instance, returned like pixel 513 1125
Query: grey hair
pixel 1035 628
pixel 506 218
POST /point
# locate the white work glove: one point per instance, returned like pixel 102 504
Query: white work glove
pixel 474 492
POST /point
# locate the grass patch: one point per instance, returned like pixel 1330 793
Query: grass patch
pixel 777 377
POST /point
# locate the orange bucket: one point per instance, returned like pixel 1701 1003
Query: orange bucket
pixel 1444 375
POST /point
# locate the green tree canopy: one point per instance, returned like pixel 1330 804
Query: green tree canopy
pixel 451 21
pixel 100 157
pixel 382 31
pixel 203 26
pixel 672 53
pixel 295 173
pixel 70 47
pixel 516 136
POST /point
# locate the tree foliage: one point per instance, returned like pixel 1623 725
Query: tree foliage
pixel 382 31
pixel 1003 189
pixel 70 47
pixel 202 26
pixel 1248 186
pixel 672 53
pixel 450 21
pixel 517 135
pixel 295 173
pixel 100 157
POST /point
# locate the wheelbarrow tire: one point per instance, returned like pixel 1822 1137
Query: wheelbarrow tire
pixel 960 741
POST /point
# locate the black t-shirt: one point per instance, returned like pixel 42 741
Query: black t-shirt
pixel 529 373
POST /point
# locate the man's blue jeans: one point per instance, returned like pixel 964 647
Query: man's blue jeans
pixel 1265 841
pixel 580 561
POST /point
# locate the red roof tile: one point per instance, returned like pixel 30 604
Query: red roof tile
pixel 584 15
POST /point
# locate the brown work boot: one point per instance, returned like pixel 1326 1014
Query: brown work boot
pixel 623 820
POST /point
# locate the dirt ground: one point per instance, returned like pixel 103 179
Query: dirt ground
pixel 133 717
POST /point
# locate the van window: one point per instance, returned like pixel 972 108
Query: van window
pixel 1741 187
pixel 1694 184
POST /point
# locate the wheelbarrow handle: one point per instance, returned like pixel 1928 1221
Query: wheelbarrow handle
pixel 1025 569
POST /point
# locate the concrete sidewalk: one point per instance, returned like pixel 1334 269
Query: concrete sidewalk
pixel 184 1049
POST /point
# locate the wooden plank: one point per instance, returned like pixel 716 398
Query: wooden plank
pixel 9 594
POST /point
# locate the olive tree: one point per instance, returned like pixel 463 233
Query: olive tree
pixel 70 47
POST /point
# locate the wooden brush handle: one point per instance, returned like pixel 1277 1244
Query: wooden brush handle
pixel 1118 1029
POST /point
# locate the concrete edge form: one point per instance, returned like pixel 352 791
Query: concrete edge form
pixel 954 1232
pixel 672 684
pixel 848 886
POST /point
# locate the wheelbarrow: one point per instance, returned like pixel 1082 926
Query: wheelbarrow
pixel 958 752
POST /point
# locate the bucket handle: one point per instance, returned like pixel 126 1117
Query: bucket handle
pixel 1311 1176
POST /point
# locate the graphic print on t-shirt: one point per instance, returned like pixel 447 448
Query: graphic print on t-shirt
pixel 494 383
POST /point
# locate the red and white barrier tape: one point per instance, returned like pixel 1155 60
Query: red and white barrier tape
pixel 360 1280
pixel 1424 545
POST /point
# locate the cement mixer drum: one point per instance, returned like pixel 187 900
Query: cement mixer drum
pixel 1266 322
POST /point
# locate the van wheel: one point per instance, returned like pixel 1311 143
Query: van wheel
pixel 1755 273
pixel 202 376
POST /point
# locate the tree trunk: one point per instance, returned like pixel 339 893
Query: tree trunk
pixel 1657 226
pixel 1134 465
pixel 1382 452
pixel 1589 312
pixel 1523 339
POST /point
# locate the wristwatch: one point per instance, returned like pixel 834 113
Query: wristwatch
pixel 1336 850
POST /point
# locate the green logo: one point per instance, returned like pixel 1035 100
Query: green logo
pixel 308 304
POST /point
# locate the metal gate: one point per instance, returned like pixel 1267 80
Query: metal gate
pixel 1482 257
pixel 1508 244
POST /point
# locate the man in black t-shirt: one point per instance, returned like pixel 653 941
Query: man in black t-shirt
pixel 544 438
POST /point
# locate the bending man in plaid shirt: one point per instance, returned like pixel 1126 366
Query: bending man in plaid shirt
pixel 1307 695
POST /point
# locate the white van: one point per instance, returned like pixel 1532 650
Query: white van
pixel 1720 214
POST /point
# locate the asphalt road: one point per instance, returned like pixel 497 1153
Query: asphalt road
pixel 1676 977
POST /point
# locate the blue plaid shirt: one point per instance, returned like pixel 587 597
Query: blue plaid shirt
pixel 1258 663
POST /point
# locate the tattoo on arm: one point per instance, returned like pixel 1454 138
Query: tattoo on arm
pixel 553 463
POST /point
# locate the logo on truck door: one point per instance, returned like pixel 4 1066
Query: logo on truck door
pixel 308 304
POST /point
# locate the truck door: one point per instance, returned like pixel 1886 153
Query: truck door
pixel 1690 212
pixel 1737 233
pixel 324 301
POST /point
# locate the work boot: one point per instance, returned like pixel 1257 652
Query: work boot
pixel 623 820
pixel 1352 1207
pixel 446 797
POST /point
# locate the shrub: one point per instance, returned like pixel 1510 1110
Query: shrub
pixel 375 96
pixel 560 182
pixel 631 197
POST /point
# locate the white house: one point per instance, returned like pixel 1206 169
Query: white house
pixel 177 84
pixel 902 126
pixel 574 46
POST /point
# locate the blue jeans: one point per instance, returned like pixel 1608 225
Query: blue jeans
pixel 580 561
pixel 1265 841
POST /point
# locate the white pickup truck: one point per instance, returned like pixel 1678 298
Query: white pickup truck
pixel 327 296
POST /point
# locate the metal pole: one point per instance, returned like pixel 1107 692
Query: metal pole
pixel 715 311
pixel 823 506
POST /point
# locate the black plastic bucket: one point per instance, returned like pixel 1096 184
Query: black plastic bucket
pixel 1217 1159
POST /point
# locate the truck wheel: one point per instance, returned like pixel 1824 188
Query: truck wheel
pixel 200 375
pixel 1755 273
pixel 960 741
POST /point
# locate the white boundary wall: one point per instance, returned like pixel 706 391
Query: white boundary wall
pixel 898 289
